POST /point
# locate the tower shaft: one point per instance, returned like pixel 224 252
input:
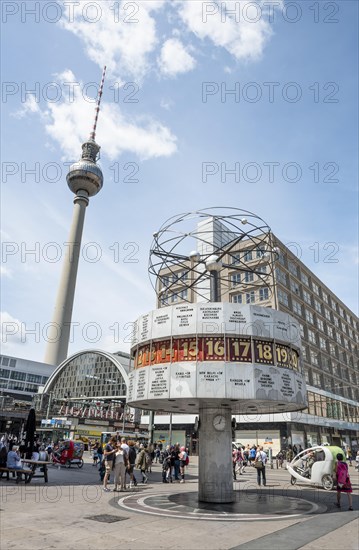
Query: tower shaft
pixel 59 333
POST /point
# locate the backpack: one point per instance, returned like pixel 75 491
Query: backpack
pixel 342 473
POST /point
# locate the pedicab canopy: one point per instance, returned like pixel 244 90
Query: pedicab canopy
pixel 244 357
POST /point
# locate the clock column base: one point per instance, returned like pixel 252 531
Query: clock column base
pixel 215 457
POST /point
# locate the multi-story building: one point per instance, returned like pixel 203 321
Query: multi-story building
pixel 329 333
pixel 20 380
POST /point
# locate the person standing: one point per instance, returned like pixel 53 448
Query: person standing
pixel 183 456
pixel 343 481
pixel 109 453
pixel 234 463
pixel 131 463
pixel 119 466
pixel 176 462
pixel 260 465
pixel 252 455
pixel 141 463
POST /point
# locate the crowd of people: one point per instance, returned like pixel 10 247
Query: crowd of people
pixel 121 458
pixel 250 456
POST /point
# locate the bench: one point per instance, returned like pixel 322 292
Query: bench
pixel 28 474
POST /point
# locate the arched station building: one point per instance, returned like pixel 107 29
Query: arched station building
pixel 86 395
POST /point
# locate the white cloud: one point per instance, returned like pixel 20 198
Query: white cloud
pixel 29 107
pixel 240 36
pixel 69 122
pixel 174 58
pixel 124 35
pixel 122 38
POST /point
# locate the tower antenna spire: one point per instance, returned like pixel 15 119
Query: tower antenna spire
pixel 97 108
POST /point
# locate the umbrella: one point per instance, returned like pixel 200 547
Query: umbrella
pixel 30 428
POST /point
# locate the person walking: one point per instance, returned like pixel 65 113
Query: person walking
pixel 260 465
pixel 343 481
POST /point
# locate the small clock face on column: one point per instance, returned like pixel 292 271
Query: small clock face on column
pixel 219 422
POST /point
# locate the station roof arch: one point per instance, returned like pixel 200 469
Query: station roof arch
pixel 90 374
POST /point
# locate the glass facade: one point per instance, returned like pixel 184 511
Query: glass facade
pixel 88 375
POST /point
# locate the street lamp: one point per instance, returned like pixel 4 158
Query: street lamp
pixel 214 265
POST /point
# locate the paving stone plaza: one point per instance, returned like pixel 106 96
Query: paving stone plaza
pixel 72 511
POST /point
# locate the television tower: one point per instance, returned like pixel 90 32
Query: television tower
pixel 85 179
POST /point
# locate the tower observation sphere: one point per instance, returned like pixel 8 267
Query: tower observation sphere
pixel 85 174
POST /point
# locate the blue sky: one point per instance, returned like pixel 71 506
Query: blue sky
pixel 178 57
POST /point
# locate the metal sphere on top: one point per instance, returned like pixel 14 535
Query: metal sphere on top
pixel 221 240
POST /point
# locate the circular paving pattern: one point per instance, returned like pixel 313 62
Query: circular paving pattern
pixel 249 505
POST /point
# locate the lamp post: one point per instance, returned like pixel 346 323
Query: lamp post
pixel 213 266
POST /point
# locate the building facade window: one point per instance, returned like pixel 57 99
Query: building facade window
pixel 316 379
pixel 34 378
pixel 315 288
pixel 304 278
pixel 293 268
pixel 322 343
pixel 235 279
pixel 325 297
pixel 309 316
pixel 294 287
pixel 235 258
pixel 4 373
pixel 16 375
pixel 248 255
pixel 297 308
pixel 327 314
pixel 237 298
pixel 307 297
pixel 281 276
pixel 320 324
pixel 183 294
pixel 314 358
pixel 250 297
pixel 318 306
pixel 248 277
pixel 283 297
pixel 311 337
pixel 263 294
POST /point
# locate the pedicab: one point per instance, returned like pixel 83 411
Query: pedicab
pixel 315 466
pixel 69 452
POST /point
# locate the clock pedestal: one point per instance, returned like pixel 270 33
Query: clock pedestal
pixel 215 458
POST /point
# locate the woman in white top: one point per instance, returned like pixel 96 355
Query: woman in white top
pixel 120 464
